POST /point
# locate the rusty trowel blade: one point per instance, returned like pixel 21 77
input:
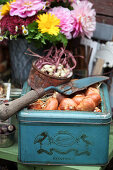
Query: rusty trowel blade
pixel 81 84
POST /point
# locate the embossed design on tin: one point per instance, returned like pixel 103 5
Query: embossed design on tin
pixel 62 139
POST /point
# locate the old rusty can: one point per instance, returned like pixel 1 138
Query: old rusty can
pixel 39 79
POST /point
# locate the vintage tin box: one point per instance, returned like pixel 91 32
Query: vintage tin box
pixel 65 137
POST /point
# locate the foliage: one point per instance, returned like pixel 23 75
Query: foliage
pixel 3 1
pixel 40 38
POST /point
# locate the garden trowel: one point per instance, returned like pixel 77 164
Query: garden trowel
pixel 10 108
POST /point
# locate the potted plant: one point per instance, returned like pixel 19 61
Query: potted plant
pixel 45 23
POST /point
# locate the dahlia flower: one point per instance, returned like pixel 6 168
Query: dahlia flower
pixel 85 19
pixel 66 20
pixel 26 8
pixel 70 1
pixel 48 23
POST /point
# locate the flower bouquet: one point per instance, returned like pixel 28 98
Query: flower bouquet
pixel 48 23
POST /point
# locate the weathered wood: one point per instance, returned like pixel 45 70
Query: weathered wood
pixel 104 7
pixel 104 11
pixel 104 19
pixel 10 108
pixel 98 67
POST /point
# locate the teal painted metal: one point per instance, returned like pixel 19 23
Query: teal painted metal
pixel 65 137
pixel 77 85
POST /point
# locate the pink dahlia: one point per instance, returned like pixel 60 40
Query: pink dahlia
pixel 26 8
pixel 66 20
pixel 65 1
pixel 84 19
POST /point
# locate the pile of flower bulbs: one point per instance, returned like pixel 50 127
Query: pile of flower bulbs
pixel 60 71
pixel 56 62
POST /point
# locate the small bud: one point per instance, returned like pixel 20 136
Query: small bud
pixel 11 128
pixel 1 38
pixel 4 128
pixel 16 28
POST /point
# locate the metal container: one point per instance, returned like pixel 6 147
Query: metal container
pixel 65 137
pixel 7 140
pixel 39 79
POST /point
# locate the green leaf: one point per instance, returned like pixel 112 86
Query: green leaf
pixel 62 38
pixel 43 40
pixel 3 1
pixel 33 27
pixel 38 36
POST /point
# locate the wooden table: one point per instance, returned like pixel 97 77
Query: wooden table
pixel 11 154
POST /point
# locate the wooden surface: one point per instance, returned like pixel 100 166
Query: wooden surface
pixel 104 10
pixel 98 67
pixel 103 7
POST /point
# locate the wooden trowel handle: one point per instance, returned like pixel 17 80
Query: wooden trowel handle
pixel 10 108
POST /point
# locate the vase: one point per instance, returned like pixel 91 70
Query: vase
pixel 20 62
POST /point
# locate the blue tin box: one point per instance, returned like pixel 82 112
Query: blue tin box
pixel 65 137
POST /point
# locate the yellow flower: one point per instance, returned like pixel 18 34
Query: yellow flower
pixel 48 23
pixel 6 8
